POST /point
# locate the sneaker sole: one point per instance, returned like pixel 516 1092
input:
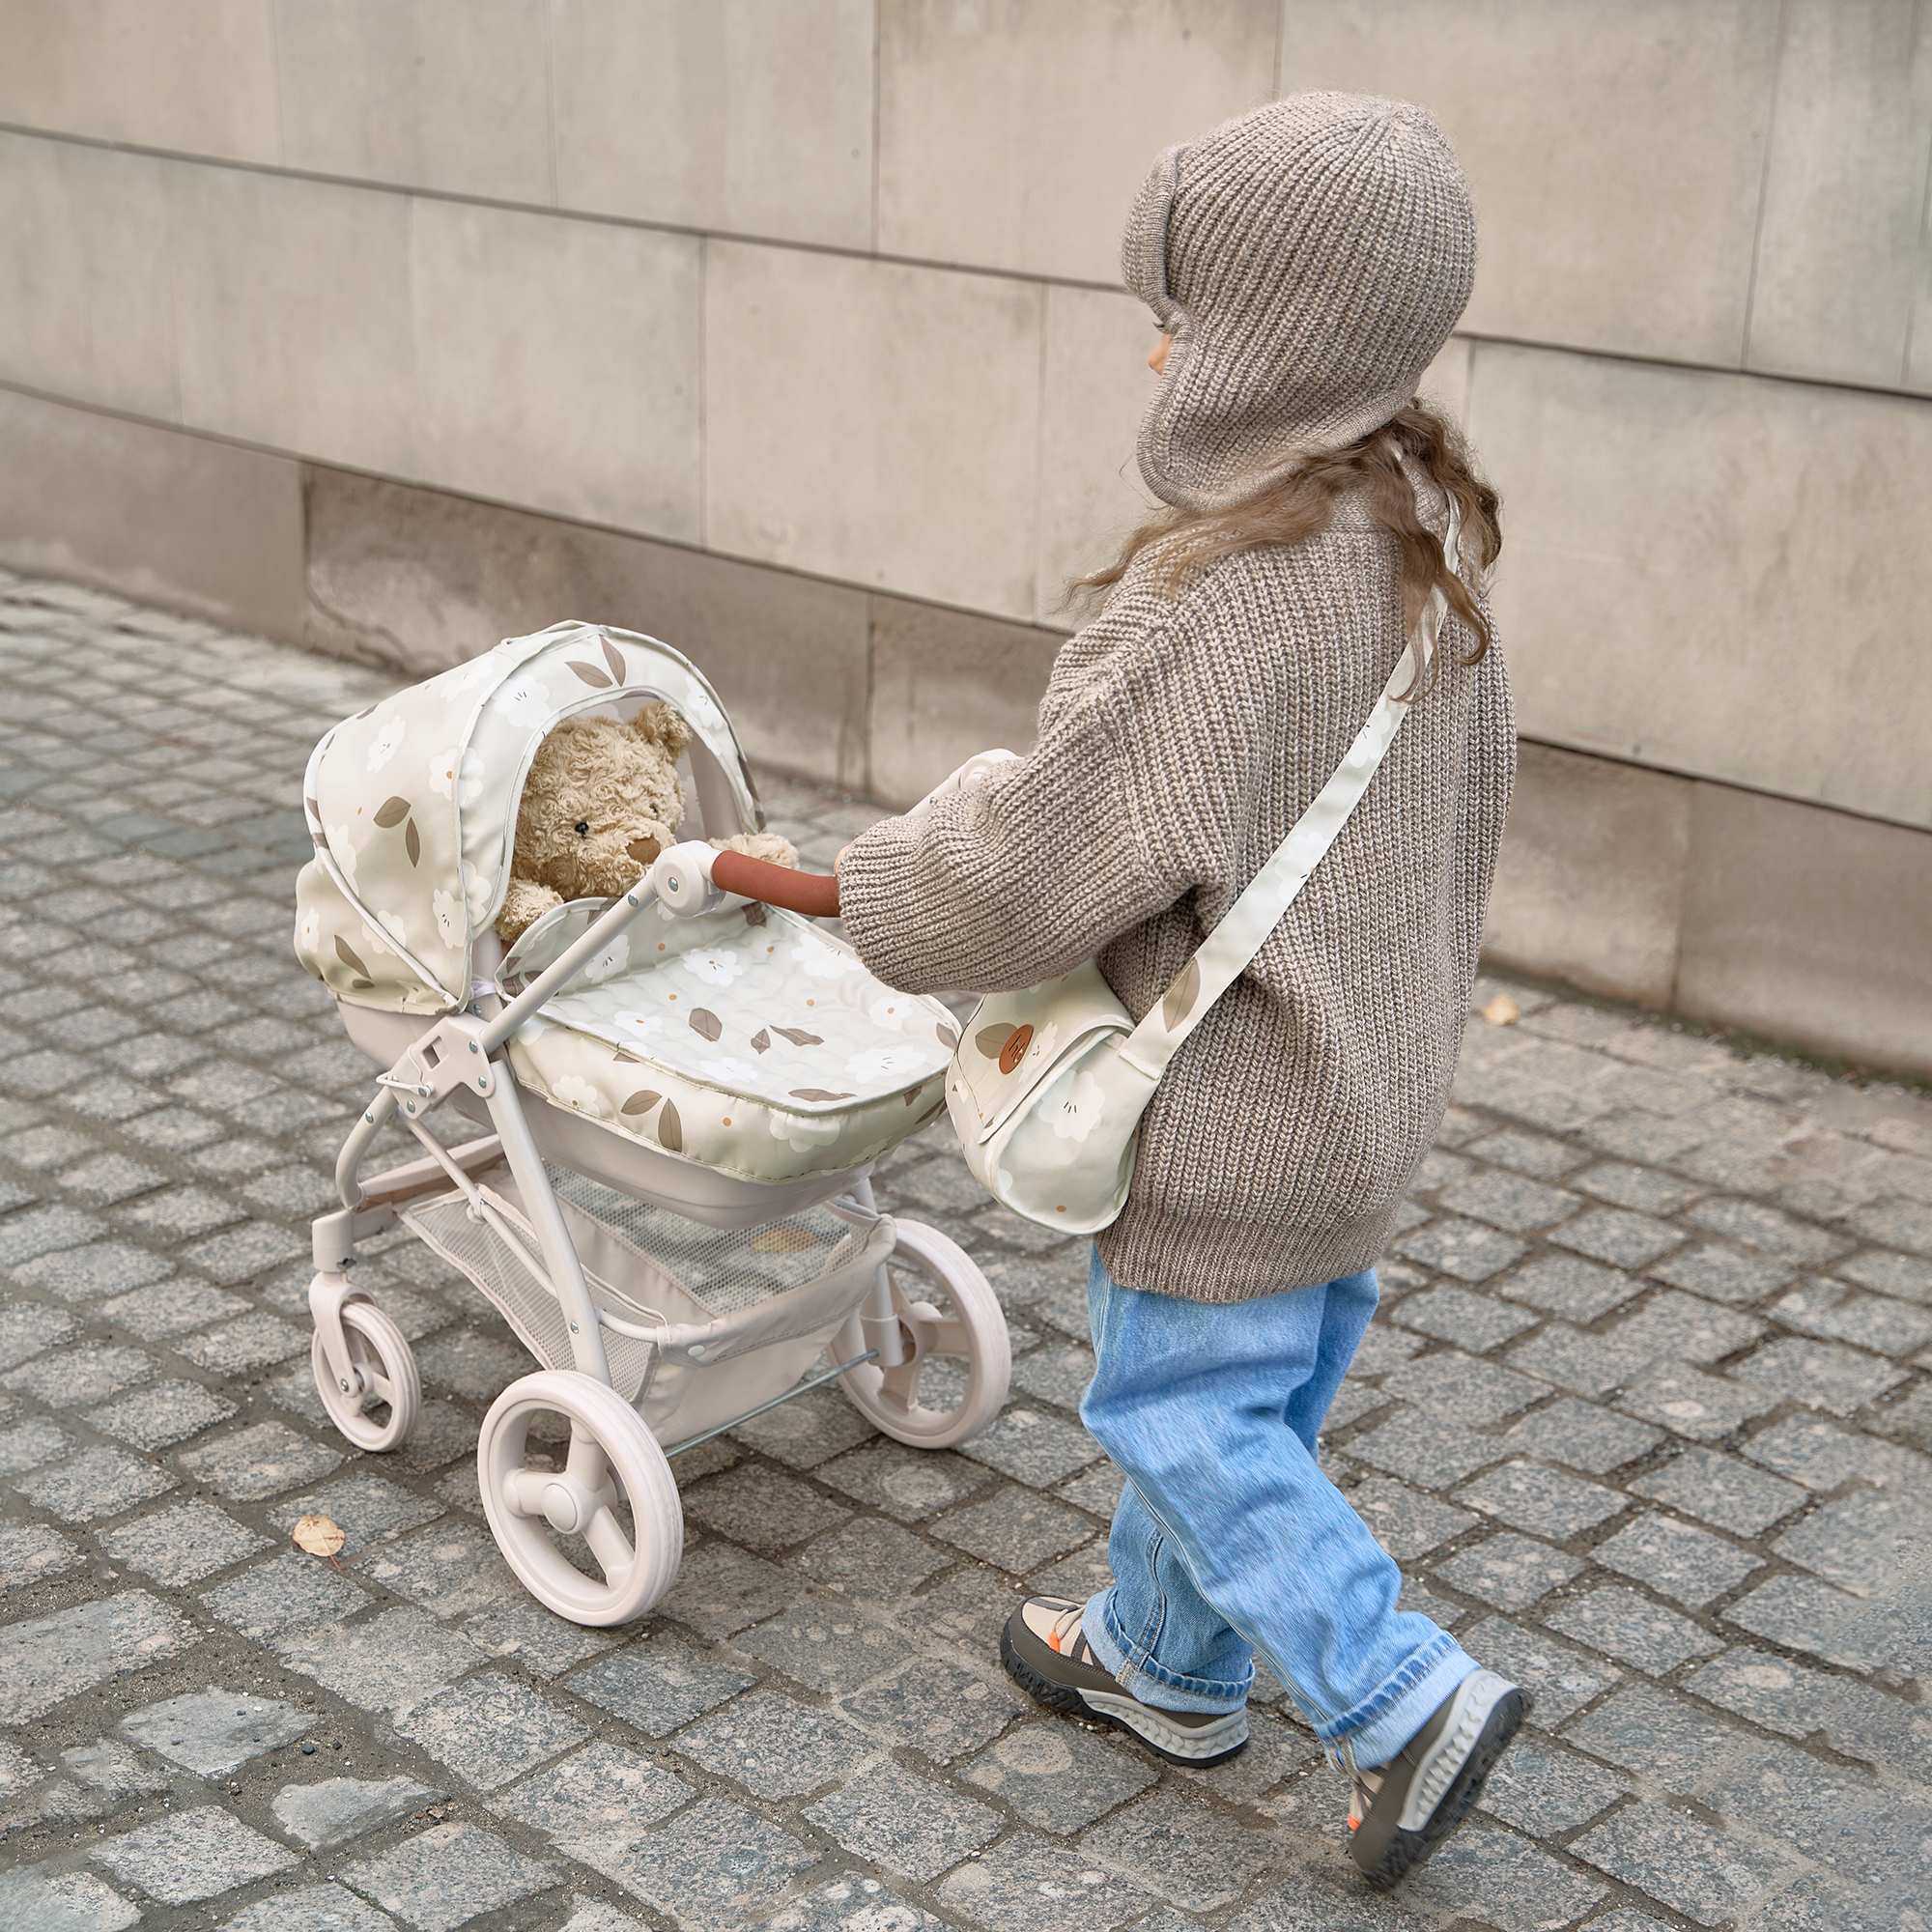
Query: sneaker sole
pixel 1408 1849
pixel 1071 1703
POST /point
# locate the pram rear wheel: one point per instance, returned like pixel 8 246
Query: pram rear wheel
pixel 387 1368
pixel 613 1498
pixel 934 1411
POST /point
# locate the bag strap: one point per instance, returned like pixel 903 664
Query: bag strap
pixel 1225 954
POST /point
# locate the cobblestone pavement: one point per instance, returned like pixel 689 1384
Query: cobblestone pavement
pixel 1645 1416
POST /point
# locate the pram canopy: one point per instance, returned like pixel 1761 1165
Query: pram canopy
pixel 747 1039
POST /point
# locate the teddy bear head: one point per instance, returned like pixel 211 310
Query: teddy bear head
pixel 601 802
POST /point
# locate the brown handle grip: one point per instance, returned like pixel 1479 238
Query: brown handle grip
pixel 813 894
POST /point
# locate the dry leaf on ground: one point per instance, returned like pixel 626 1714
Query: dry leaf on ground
pixel 319 1535
pixel 1502 1010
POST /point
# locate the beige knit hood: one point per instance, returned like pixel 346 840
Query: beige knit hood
pixel 1309 259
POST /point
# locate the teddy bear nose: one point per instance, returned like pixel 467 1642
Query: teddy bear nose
pixel 584 828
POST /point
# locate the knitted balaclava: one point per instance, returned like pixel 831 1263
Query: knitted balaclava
pixel 1309 259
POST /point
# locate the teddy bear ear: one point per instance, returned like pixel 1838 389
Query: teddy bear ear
pixel 657 724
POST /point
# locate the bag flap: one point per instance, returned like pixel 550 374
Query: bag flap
pixel 1014 1040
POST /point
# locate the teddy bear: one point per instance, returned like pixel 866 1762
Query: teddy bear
pixel 601 802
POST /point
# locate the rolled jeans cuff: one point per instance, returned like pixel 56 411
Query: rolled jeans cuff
pixel 1139 1676
pixel 1383 1722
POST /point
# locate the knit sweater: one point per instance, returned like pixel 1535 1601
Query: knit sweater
pixel 1181 737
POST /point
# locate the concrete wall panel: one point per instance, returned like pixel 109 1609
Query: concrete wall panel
pixel 1615 153
pixel 874 423
pixel 946 685
pixel 1094 387
pixel 194 75
pixel 167 518
pixel 292 315
pixel 83 276
pixel 1014 133
pixel 1843 249
pixel 1704 573
pixel 738 116
pixel 607 432
pixel 440 93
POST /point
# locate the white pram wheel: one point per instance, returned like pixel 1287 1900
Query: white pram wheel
pixel 973 1332
pixel 614 1463
pixel 388 1366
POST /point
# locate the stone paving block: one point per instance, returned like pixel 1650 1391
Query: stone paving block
pixel 1895 1224
pixel 1686 1564
pixel 30 1444
pixel 1822 1375
pixel 1195 1857
pixel 30 1553
pixel 170 1308
pixel 1721 1491
pixel 603 1791
pixel 1835 1313
pixel 808 1432
pixel 100 1481
pixel 544 1644
pixel 290 1591
pixel 1582 1436
pixel 1863 1541
pixel 1682 1863
pixel 1634 1629
pixel 721 1590
pixel 1509 1571
pixel 909 1483
pixel 100 1267
pixel 1058 1374
pixel 1561 1680
pixel 88 1373
pixel 1407 1524
pixel 193 1856
pixel 850 1903
pixel 1060 1776
pixel 1902 1275
pixel 259 1462
pixel 454 1568
pixel 108 1178
pixel 1661 1738
pixel 44 1898
pixel 937 1708
pixel 1015 1530
pixel 776 1746
pixel 255 1341
pixel 1544 1502
pixel 41 1148
pixel 1767 1229
pixel 1722 1274
pixel 490 1729
pixel 1823 1457
pixel 870 1558
pixel 390 1662
pixel 182 1543
pixel 1802 1613
pixel 713 1865
pixel 1471 1321
pixel 762 1507
pixel 1673 1328
pixel 469 1364
pixel 826 1647
pixel 1465 1249
pixel 451 1873
pixel 366 1508
pixel 1544 1791
pixel 1616 1235
pixel 176 1130
pixel 1640 1188
pixel 1856 1720
pixel 658 1684
pixel 1509 1201
pixel 1033 1447
pixel 338 1809
pixel 1424 1449
pixel 1570 1286
pixel 907 1823
pixel 1099 1491
pixel 1491 1875
pixel 1690 1403
pixel 968 1609
pixel 214 1732
pixel 27 1328
pixel 180 1214
pixel 1461 1388
pixel 244 1252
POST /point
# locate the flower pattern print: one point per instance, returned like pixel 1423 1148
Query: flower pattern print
pixel 522 700
pixel 308 931
pixel 457 774
pixel 639 1026
pixel 822 961
pixel 449 924
pixel 569 1090
pixel 889 1063
pixel 475 892
pixel 387 741
pixel 342 849
pixel 715 969
pixel 1073 1105
pixel 730 1072
pixel 610 962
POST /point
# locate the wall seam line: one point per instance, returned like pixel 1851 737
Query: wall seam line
pixel 1764 183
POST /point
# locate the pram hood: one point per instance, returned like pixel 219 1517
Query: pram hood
pixel 412 804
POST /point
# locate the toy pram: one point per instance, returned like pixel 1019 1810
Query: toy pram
pixel 670 1203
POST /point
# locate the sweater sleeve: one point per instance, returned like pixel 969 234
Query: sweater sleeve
pixel 1106 823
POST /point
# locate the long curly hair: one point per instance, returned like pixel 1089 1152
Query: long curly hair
pixel 1301 504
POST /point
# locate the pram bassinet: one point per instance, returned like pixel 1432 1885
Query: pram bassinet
pixel 681 1218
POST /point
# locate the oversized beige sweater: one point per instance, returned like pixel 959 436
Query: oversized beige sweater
pixel 1180 739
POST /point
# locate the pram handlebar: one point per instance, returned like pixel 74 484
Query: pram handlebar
pixel 813 894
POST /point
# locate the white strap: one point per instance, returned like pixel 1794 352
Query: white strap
pixel 1224 956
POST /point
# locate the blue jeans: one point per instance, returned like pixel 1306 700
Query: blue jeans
pixel 1228 1539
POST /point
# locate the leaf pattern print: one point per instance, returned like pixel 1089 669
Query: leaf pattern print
pixel 762 1042
pixel 641 1101
pixel 707 1022
pixel 993 1040
pixel 670 1131
pixel 347 954
pixel 1179 997
pixel 592 674
pixel 391 812
pixel 614 658
pixel 816 1093
pixel 947 1038
pixel 413 843
pixel 799 1036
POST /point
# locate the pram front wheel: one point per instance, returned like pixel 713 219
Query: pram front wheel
pixel 387 1368
pixel 615 1471
pixel 969 1337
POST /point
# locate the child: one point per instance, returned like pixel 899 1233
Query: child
pixel 1304 262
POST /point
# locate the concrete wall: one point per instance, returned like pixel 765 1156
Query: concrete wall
pixel 789 328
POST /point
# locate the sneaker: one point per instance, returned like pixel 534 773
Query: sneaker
pixel 1403 1809
pixel 1048 1657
